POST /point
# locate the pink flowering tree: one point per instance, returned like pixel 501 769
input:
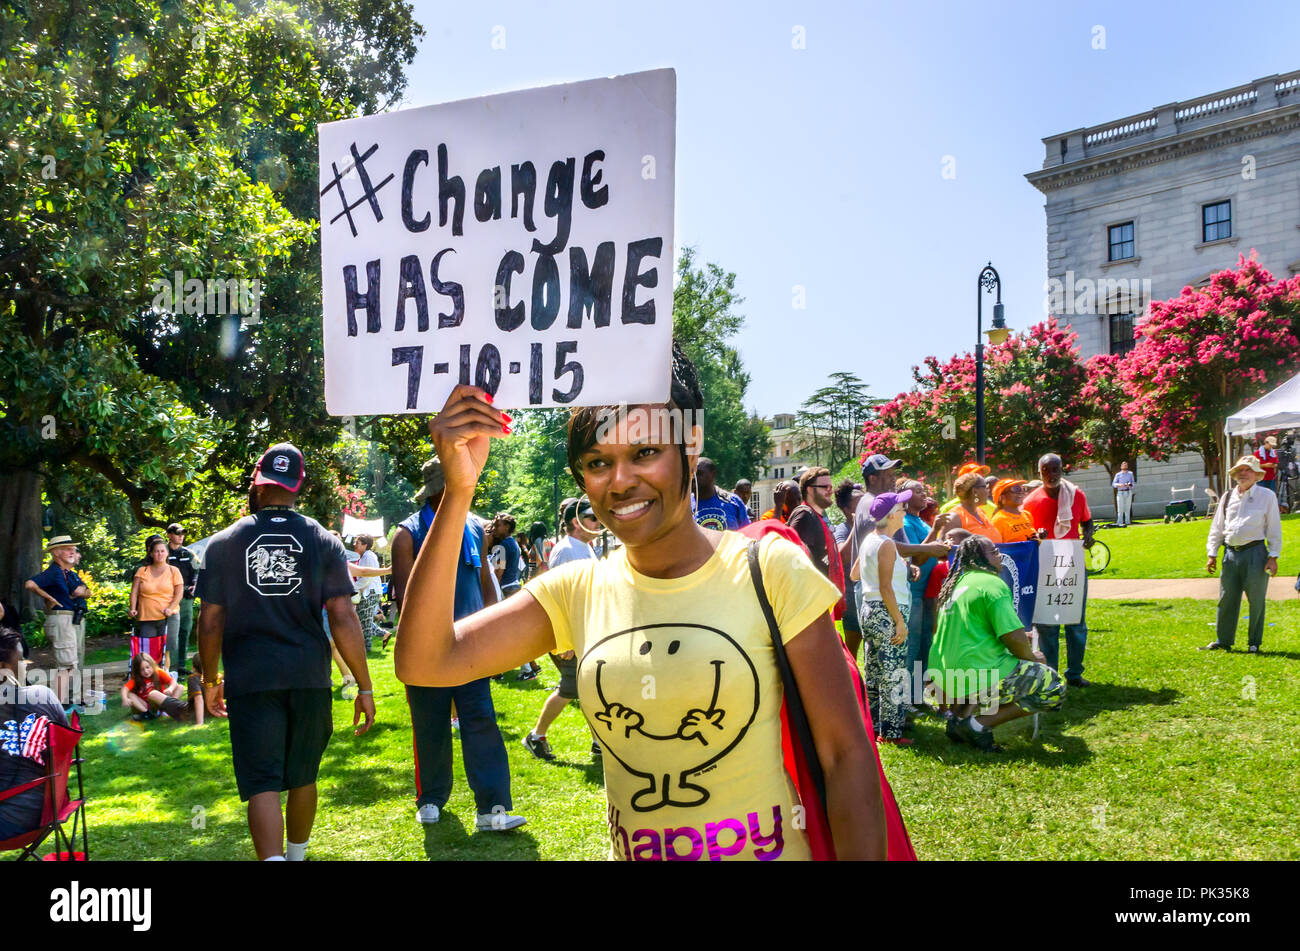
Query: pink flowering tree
pixel 1205 354
pixel 1105 435
pixel 1033 385
pixel 1033 399
pixel 931 427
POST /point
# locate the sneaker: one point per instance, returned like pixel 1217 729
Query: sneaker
pixel 527 674
pixel 953 732
pixel 498 822
pixel 538 746
pixel 980 739
pixel 427 814
pixel 1215 646
pixel 1252 649
pixel 596 751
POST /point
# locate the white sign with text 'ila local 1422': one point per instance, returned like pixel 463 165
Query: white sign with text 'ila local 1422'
pixel 521 242
pixel 1061 573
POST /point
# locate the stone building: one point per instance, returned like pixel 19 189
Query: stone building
pixel 1143 206
pixel 780 465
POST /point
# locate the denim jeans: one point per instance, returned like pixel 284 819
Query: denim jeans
pixel 1076 640
pixel 920 634
pixel 484 752
pixel 178 633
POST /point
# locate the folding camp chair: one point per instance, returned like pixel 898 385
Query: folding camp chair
pixel 61 756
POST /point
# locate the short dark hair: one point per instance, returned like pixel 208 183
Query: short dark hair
pixel 704 462
pixel 11 646
pixel 810 475
pixel 844 491
pixel 684 394
pixel 367 540
pixel 508 520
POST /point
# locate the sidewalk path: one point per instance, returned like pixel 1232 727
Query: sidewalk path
pixel 1205 589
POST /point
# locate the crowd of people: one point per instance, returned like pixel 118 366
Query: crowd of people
pixel 645 605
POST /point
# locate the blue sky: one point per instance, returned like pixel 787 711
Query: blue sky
pixel 821 167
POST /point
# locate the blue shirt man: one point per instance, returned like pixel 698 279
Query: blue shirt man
pixel 487 768
pixel 714 509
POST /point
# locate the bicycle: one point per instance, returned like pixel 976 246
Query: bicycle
pixel 1096 558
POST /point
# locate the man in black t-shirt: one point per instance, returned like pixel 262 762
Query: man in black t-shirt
pixel 263 583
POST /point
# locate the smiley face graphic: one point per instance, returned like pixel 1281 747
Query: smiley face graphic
pixel 670 701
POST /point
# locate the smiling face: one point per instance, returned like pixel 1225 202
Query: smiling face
pixel 667 700
pixel 635 483
pixel 1049 470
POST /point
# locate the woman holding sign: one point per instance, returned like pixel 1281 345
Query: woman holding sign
pixel 677 672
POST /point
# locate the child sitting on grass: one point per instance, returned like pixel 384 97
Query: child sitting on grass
pixel 146 679
pixel 151 692
pixel 191 709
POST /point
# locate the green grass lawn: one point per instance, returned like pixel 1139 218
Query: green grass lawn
pixel 1174 753
pixel 1177 550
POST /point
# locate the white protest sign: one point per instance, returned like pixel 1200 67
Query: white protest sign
pixel 521 242
pixel 1060 582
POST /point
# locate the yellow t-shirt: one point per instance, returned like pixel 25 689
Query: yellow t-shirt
pixel 678 679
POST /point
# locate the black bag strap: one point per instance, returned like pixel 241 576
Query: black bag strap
pixel 795 714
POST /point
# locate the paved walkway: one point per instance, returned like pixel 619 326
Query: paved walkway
pixel 1206 589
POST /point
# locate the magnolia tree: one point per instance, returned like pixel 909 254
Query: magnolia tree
pixel 1205 354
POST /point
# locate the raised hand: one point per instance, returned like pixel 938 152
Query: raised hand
pixel 461 432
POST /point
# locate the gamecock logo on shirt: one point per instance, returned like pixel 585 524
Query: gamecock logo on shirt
pixel 272 565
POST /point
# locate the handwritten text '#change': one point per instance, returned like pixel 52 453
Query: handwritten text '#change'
pixel 591 278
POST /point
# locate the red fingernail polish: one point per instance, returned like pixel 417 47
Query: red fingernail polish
pixel 506 430
pixel 488 397
pixel 507 417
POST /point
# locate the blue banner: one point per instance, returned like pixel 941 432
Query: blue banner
pixel 1020 572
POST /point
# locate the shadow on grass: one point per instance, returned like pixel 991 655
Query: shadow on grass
pixel 1055 746
pixel 450 838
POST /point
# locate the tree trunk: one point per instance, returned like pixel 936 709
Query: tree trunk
pixel 20 537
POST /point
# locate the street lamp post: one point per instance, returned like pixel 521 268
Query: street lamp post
pixel 988 281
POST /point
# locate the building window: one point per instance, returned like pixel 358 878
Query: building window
pixel 1121 241
pixel 1121 333
pixel 1216 221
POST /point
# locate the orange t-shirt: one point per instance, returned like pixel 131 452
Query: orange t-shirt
pixel 977 524
pixel 161 680
pixel 156 593
pixel 1014 526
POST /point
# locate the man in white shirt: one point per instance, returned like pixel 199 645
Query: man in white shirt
pixel 1123 486
pixel 1248 524
pixel 580 520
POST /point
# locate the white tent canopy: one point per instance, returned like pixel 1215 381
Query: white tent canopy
pixel 353 526
pixel 1279 409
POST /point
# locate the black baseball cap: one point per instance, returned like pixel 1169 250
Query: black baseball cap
pixel 280 465
pixel 577 508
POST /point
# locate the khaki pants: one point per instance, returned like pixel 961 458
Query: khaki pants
pixel 67 639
